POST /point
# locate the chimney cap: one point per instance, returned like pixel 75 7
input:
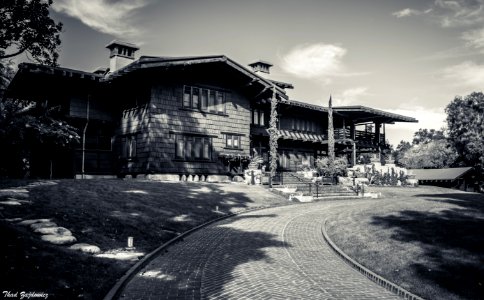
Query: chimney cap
pixel 114 43
pixel 261 62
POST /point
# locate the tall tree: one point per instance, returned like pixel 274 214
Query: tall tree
pixel 26 27
pixel 465 121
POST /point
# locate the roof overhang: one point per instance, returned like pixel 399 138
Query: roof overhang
pixel 148 62
pixel 35 81
pixel 362 114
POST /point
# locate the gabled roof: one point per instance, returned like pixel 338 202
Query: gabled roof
pixel 146 62
pixel 439 174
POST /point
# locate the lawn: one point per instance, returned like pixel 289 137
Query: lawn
pixel 428 240
pixel 105 213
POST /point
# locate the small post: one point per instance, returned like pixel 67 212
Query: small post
pixel 130 242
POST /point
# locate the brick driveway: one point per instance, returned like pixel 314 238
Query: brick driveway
pixel 276 253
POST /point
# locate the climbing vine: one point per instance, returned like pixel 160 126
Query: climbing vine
pixel 273 135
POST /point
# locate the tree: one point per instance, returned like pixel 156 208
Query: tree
pixel 26 125
pixel 465 121
pixel 425 136
pixel 434 154
pixel 26 27
pixel 399 152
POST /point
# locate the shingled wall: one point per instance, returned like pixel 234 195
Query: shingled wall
pixel 167 118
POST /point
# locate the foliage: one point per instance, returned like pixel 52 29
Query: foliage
pixel 330 131
pixel 425 136
pixel 26 27
pixel 429 149
pixel 434 154
pixel 465 121
pixel 25 125
pixel 399 152
pixel 6 73
pixel 390 178
pixel 273 135
pixel 328 168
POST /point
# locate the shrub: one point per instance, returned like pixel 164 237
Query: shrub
pixel 327 169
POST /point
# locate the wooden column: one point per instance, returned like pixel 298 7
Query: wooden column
pixel 377 138
pixel 353 137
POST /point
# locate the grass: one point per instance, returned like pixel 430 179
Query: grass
pixel 105 213
pixel 428 240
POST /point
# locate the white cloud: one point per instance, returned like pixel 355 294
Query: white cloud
pixel 111 17
pixel 407 12
pixel 314 61
pixel 350 96
pixel 474 38
pixel 427 118
pixel 466 74
pixel 454 13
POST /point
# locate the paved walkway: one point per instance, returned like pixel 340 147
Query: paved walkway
pixel 276 253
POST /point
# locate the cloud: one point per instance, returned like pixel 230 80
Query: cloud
pixel 427 118
pixel 466 74
pixel 454 13
pixel 350 96
pixel 111 17
pixel 407 12
pixel 314 61
pixel 474 38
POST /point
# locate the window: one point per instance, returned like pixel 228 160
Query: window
pixel 204 99
pixel 195 97
pixel 232 141
pixel 258 117
pixel 129 146
pixel 189 147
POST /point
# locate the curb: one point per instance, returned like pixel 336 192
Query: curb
pixel 116 290
pixel 392 287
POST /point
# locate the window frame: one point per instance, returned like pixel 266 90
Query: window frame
pixel 231 138
pixel 215 101
pixel 188 144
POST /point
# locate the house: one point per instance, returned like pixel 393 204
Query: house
pixel 203 115
pixel 459 178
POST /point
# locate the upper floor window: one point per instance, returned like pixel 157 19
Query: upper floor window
pixel 232 141
pixel 298 124
pixel 258 117
pixel 204 99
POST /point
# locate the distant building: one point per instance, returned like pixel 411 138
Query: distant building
pixel 458 178
pixel 187 115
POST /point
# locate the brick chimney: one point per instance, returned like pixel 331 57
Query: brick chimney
pixel 121 54
pixel 261 68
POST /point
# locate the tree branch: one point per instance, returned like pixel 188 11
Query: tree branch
pixel 14 54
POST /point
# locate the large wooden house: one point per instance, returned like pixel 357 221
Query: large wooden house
pixel 186 115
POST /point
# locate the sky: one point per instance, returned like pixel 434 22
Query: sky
pixel 409 57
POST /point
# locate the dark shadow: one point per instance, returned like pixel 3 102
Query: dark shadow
pixel 105 213
pixel 213 260
pixel 451 238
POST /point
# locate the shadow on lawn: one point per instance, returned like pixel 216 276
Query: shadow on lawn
pixel 205 266
pixel 451 238
pixel 105 213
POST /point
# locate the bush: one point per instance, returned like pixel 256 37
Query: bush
pixel 327 169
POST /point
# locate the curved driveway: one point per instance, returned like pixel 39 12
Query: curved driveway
pixel 275 253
